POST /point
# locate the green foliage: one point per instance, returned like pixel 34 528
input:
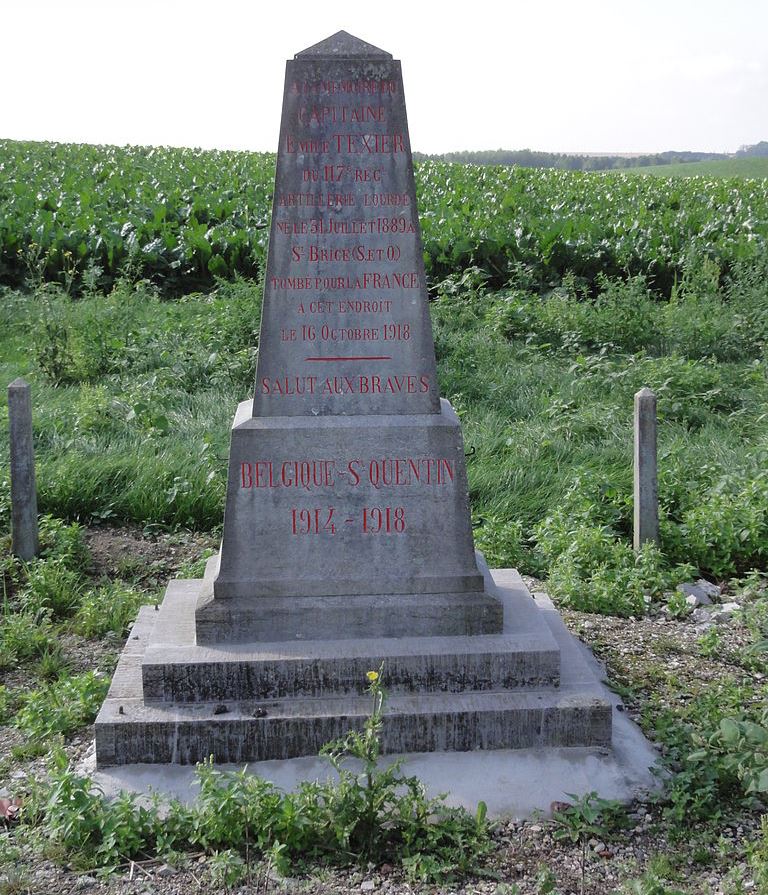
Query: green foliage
pixel 61 707
pixel 648 884
pixel 709 643
pixel 226 868
pixel 501 541
pixel 375 815
pixel 591 566
pixel 24 635
pixel 63 542
pixel 714 771
pixel 740 746
pixel 109 608
pixel 758 858
pixel 587 816
pixel 7 704
pixel 53 587
pixel 81 215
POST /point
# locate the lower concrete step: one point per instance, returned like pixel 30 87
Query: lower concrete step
pixel 129 731
pixel 281 701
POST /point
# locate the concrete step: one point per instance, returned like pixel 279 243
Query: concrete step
pixel 258 731
pixel 338 668
pixel 286 700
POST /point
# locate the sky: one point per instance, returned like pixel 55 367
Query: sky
pixel 575 76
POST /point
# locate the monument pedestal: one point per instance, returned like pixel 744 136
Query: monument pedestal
pixel 342 527
pixel 173 701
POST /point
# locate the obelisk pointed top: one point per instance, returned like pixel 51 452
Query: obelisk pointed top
pixel 343 45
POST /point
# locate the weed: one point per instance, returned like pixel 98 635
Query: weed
pixel 24 635
pixel 648 884
pixel 107 609
pixel 740 746
pixel 51 665
pixel 708 644
pixel 375 815
pixel 677 606
pixel 226 868
pixel 61 707
pixel 758 857
pixel 546 882
pixel 587 816
pixel 52 587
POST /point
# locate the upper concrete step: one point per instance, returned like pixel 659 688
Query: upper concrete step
pixel 338 668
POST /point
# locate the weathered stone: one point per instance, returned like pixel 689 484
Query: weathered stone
pixel 646 490
pixel 347 542
pixel 723 614
pixel 381 509
pixel 24 526
pixel 701 616
pixel 711 590
pixel 694 594
pixel 158 731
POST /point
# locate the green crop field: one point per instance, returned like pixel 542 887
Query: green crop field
pixel 82 214
pixel 741 167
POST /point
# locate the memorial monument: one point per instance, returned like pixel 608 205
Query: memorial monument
pixel 347 540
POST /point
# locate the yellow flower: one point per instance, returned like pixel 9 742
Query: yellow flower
pixel 372 676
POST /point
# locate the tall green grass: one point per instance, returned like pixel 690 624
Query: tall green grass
pixel 134 397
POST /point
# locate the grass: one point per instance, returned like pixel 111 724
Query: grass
pixel 133 400
pixel 737 167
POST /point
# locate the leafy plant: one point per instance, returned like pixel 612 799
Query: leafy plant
pixel 587 816
pixel 375 815
pixel 107 609
pixel 741 746
pixel 61 707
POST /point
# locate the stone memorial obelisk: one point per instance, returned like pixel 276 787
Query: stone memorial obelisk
pixel 347 540
pixel 347 510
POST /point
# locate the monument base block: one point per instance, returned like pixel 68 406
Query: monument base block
pixel 174 701
pixel 244 620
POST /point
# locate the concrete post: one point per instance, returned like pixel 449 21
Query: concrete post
pixel 25 543
pixel 646 483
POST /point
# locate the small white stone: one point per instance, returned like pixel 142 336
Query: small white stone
pixel 367 885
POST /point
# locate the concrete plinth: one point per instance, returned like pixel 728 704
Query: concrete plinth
pixel 345 527
pixel 519 782
pixel 174 701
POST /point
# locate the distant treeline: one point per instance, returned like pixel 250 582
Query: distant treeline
pixel 528 158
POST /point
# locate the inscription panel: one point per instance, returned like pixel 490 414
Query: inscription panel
pixel 344 507
pixel 345 324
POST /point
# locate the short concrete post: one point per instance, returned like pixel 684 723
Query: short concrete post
pixel 25 543
pixel 646 481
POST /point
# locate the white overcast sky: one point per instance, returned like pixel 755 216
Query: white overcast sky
pixel 558 75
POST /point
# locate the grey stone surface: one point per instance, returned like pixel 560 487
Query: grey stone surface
pixel 345 324
pixel 695 595
pixel 23 488
pixel 347 510
pixel 177 669
pixel 646 491
pixel 532 713
pixel 374 509
pixel 520 782
pixel 342 45
pixel 711 590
